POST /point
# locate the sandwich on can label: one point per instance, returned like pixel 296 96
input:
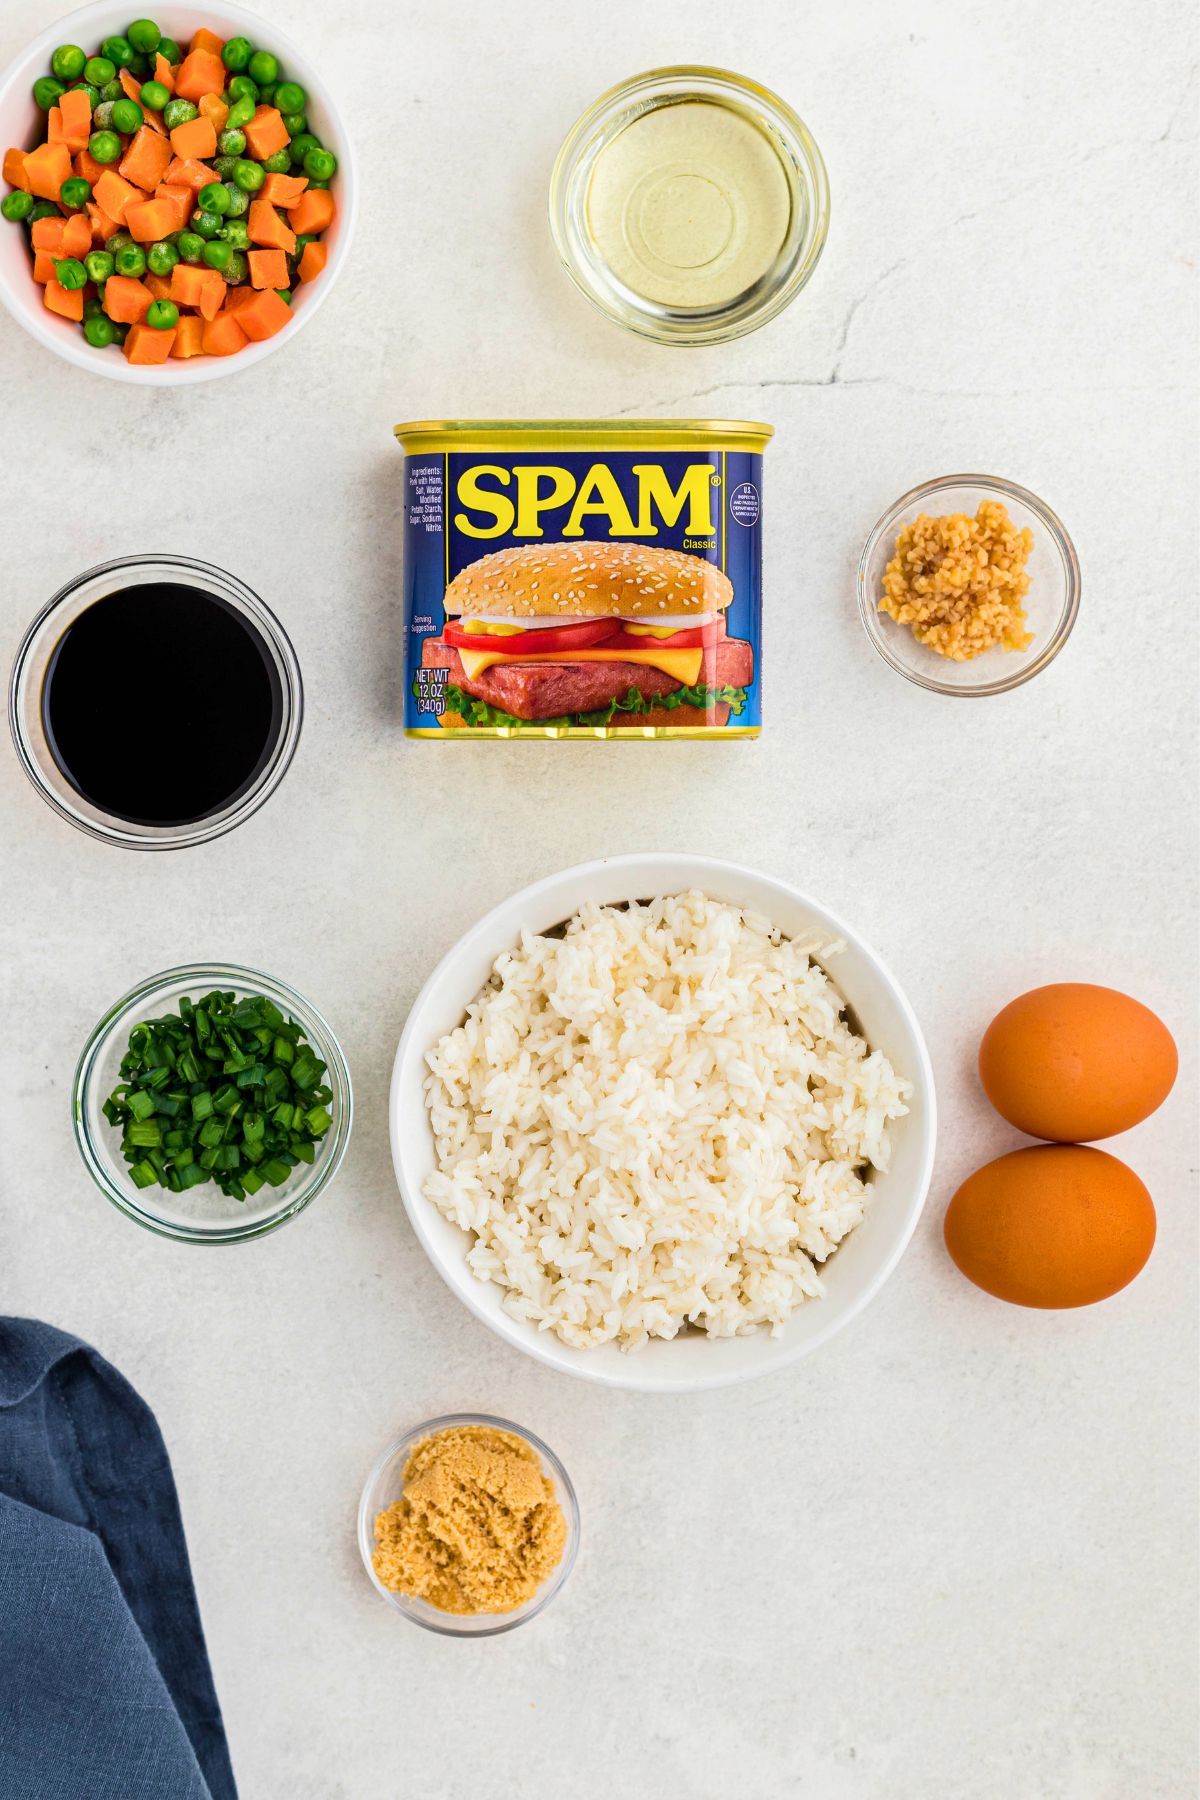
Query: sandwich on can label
pixel 583 578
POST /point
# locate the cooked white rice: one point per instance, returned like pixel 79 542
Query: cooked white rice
pixel 659 1119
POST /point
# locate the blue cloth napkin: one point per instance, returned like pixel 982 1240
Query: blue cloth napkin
pixel 105 1688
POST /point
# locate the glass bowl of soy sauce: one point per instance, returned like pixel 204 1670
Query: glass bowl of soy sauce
pixel 156 702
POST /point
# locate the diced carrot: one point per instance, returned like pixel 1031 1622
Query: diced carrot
pixel 267 228
pixel 207 40
pixel 75 111
pixel 283 190
pixel 14 170
pixel 55 129
pixel 189 336
pixel 150 220
pixel 201 72
pixel 86 166
pixel 102 226
pixel 145 345
pixel 260 313
pixel 268 269
pixel 126 300
pixel 197 139
pixel 183 172
pixel 180 198
pixel 159 286
pixel 312 213
pixel 223 336
pixel 46 234
pixel 312 261
pixel 266 132
pixel 43 266
pixel 201 288
pixel 132 86
pixel 164 72
pixel 46 168
pixel 146 161
pixel 67 302
pixel 114 194
pixel 76 239
pixel 214 108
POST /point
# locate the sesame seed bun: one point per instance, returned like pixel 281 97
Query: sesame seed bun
pixel 587 581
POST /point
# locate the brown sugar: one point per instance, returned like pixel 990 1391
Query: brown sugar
pixel 478 1527
pixel 959 582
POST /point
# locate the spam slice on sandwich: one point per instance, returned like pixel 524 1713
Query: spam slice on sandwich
pixel 591 633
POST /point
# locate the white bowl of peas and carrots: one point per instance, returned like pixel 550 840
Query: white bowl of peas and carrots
pixel 181 311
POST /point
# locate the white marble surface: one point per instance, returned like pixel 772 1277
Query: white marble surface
pixel 952 1555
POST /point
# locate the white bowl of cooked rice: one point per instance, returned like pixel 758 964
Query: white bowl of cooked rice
pixel 663 1122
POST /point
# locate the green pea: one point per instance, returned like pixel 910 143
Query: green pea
pixel 93 93
pixel 190 246
pixel 140 65
pixel 242 88
pixel 130 259
pixel 236 269
pixel 285 294
pixel 16 206
pixel 237 54
pixel 217 254
pixel 99 70
pixel 161 258
pixel 290 97
pixel 118 241
pixel 168 48
pixel 266 94
pixel 235 234
pixel 248 175
pixel 155 95
pixel 102 116
pixel 75 193
pixel 145 36
pixel 240 113
pixel 300 147
pixel 238 201
pixel 92 308
pixel 231 143
pixel 224 166
pixel 112 90
pixel 264 67
pixel 71 273
pixel 320 164
pixel 118 50
pixel 162 315
pixel 46 92
pixel 279 163
pixel 205 224
pixel 122 332
pixel 99 265
pixel 126 117
pixel 100 332
pixel 42 209
pixel 68 62
pixel 179 112
pixel 105 147
pixel 314 186
pixel 294 123
pixel 214 198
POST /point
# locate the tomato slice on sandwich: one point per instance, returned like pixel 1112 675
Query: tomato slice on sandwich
pixel 580 634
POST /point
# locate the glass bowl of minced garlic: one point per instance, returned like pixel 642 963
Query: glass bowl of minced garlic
pixel 468 1525
pixel 968 585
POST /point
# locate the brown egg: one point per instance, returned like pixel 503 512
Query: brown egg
pixel 1073 1062
pixel 1051 1225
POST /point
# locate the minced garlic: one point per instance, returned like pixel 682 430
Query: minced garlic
pixel 959 582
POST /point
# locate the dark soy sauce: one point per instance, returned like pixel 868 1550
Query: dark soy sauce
pixel 161 704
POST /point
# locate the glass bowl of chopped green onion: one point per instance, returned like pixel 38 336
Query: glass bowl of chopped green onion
pixel 212 1103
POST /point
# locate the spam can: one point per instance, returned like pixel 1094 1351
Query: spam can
pixel 596 578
